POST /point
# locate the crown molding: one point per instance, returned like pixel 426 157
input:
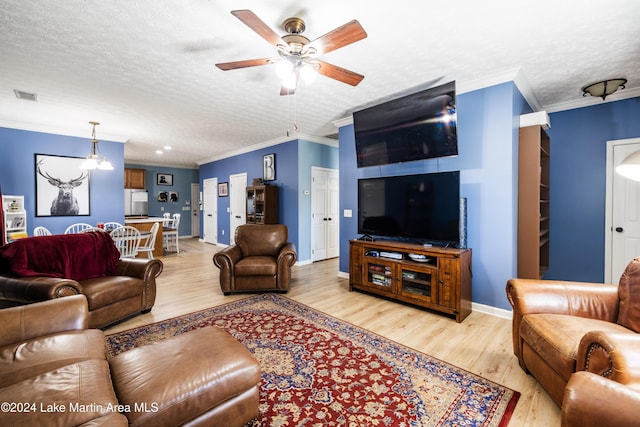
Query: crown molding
pixel 60 130
pixel 270 143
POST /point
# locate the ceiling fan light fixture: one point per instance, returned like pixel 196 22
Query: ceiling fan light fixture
pixel 291 81
pixel 604 88
pixel 308 73
pixel 284 68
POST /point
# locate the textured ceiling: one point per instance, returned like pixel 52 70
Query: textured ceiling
pixel 146 69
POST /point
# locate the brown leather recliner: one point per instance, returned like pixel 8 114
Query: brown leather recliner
pixel 260 260
pixel 563 327
pixel 594 401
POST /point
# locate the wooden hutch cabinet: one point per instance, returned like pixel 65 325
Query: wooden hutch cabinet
pixel 262 204
pixel 431 277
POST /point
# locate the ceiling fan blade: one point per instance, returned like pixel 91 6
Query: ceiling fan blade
pixel 286 91
pixel 339 73
pixel 252 21
pixel 349 33
pixel 243 64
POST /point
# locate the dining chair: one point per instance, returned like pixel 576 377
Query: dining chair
pixel 150 241
pixel 112 225
pixel 170 233
pixel 127 240
pixel 41 231
pixel 77 227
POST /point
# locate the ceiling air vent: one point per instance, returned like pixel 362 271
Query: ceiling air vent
pixel 332 136
pixel 26 96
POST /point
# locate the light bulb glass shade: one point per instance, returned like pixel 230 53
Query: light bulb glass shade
pixel 89 163
pixel 630 166
pixel 291 81
pixel 284 68
pixel 308 74
pixel 105 165
pixel 604 88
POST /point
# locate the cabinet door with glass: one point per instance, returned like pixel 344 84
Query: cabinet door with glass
pixel 419 282
pixel 379 274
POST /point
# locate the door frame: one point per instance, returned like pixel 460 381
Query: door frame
pixel 241 193
pixel 608 217
pixel 313 237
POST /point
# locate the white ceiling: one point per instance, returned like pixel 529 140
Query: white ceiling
pixel 146 69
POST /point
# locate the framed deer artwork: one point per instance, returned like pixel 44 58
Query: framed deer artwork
pixel 62 188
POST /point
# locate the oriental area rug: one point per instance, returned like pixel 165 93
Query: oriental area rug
pixel 318 370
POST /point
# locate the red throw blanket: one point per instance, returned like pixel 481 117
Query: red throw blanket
pixel 70 256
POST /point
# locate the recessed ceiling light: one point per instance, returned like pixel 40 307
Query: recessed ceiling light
pixel 166 147
pixel 158 151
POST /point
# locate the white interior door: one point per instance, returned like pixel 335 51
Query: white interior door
pixel 623 212
pixel 195 210
pixel 237 203
pixel 325 215
pixel 210 210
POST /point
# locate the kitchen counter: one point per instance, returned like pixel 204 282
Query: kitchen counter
pixel 144 223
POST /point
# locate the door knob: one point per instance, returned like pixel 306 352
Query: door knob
pixel 619 229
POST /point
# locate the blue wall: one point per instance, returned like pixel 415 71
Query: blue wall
pixel 294 160
pixel 182 180
pixel 251 164
pixel 17 175
pixel 488 122
pixel 578 179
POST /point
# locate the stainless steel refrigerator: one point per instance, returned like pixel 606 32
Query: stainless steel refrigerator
pixel 136 202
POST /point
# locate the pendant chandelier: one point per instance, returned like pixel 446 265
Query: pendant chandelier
pixel 95 159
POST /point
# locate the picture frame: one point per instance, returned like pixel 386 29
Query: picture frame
pixel 269 167
pixel 173 196
pixel 223 189
pixel 163 196
pixel 164 179
pixel 62 187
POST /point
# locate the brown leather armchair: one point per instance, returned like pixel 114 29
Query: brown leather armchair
pixel 563 327
pixel 260 260
pixel 594 401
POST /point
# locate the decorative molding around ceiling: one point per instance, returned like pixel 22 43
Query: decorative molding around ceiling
pixel 60 130
pixel 318 140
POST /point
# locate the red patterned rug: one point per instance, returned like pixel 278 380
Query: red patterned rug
pixel 318 370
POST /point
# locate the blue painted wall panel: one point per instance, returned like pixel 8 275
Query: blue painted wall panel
pixel 578 179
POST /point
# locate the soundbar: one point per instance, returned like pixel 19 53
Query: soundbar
pixel 393 255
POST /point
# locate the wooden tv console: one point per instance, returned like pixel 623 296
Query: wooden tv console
pixel 431 277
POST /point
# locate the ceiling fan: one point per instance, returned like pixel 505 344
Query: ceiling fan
pixel 298 56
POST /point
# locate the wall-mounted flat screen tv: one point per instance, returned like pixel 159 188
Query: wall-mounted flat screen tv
pixel 423 207
pixel 414 127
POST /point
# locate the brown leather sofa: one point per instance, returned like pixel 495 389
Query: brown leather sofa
pixel 563 327
pixel 260 260
pixel 116 288
pixel 594 401
pixel 54 371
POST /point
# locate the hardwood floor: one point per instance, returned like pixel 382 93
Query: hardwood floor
pixel 481 344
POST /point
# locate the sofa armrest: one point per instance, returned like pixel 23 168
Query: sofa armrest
pixel 140 268
pixel 613 355
pixel 592 401
pixel 37 288
pixel 25 322
pixel 225 260
pixel 287 255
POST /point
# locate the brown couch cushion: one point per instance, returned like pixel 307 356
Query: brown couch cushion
pixel 556 338
pixel 36 356
pixel 257 266
pixel 629 294
pixel 84 389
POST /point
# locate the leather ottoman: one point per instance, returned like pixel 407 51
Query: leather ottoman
pixel 203 377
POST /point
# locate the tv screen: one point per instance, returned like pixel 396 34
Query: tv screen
pixel 424 207
pixel 414 127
